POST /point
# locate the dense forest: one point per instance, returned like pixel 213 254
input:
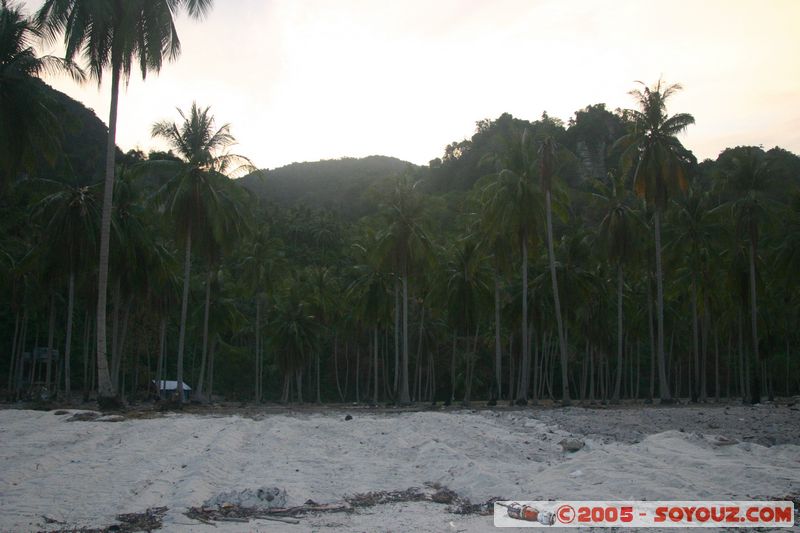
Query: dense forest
pixel 592 260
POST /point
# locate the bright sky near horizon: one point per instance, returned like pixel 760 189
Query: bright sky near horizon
pixel 302 80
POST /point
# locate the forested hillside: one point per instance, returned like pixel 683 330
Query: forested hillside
pixel 593 259
pixel 348 185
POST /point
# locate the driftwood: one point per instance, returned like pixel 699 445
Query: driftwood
pixel 150 520
pixel 289 515
pixel 433 492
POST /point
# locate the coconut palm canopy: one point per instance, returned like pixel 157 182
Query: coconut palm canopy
pixel 595 259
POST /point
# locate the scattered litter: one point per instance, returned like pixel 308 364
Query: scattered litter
pixel 261 498
pixel 150 520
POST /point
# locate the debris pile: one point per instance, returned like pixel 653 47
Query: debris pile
pixel 150 520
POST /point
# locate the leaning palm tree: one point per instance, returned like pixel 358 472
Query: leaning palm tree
pixel 200 197
pixel 28 128
pixel 658 161
pixel 114 35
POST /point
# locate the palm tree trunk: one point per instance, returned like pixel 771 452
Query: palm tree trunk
pixel 559 323
pixel 358 371
pixel 12 365
pixel 203 358
pixel 522 390
pixel 453 370
pixel 119 344
pixel 68 343
pixel 105 389
pixel 316 375
pixel 86 331
pixel 50 333
pixel 404 396
pixel 666 397
pixel 336 367
pixel 695 342
pixel 618 382
pixel 743 383
pixel 706 333
pixel 755 392
pixel 498 351
pixel 257 363
pixel 375 367
pixel 187 268
pixel 212 349
pixel 716 365
pixel 396 336
pixel 161 366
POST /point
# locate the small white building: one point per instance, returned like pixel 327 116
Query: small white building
pixel 169 388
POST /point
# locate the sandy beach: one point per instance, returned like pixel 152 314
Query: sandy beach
pixel 84 473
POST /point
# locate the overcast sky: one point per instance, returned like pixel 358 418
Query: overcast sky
pixel 302 80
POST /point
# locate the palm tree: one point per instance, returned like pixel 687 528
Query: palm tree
pixel 547 169
pixel 369 295
pixel 497 242
pixel 694 236
pixel 746 175
pixel 71 217
pixel 468 280
pixel 199 196
pixel 114 35
pixel 295 335
pixel 659 163
pixel 28 128
pixel 511 202
pixel 401 246
pixel 261 266
pixel 616 231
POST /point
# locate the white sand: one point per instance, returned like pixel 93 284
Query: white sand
pixel 84 473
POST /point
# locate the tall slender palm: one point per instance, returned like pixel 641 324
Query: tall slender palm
pixel 370 296
pixel 746 175
pixel 547 170
pixel 71 218
pixel 659 163
pixel 468 281
pixel 200 197
pixel 694 234
pixel 497 242
pixel 115 35
pixel 511 201
pixel 402 245
pixel 261 268
pixel 617 233
pixel 28 128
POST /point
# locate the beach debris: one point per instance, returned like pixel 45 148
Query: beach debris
pixel 527 513
pixel 85 416
pixel 348 417
pixel 149 520
pixel 61 412
pixel 260 498
pixel 111 418
pixel 571 445
pixel 723 441
pixel 369 499
pixel 229 512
